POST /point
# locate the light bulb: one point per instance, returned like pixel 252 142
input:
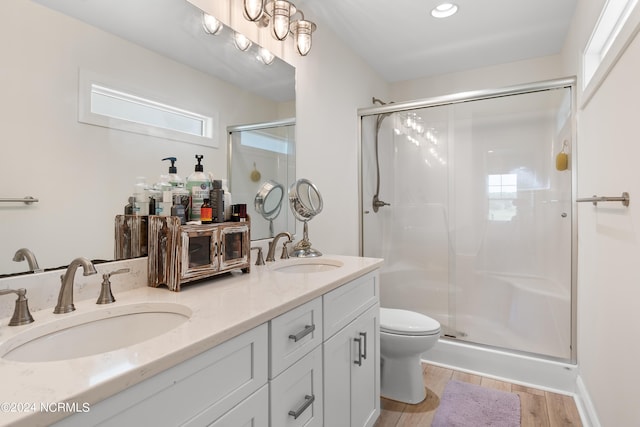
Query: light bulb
pixel 253 9
pixel 265 56
pixel 211 24
pixel 303 29
pixel 241 41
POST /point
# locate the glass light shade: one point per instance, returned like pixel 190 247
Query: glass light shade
pixel 253 9
pixel 303 29
pixel 444 10
pixel 211 24
pixel 280 11
pixel 265 56
pixel 241 41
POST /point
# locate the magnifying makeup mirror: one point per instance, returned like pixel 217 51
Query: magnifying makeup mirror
pixel 306 202
pixel 268 202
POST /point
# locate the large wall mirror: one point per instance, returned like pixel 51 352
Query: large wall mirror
pixel 83 174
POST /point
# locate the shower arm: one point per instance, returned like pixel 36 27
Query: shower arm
pixel 377 203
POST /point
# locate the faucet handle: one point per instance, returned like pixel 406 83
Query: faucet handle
pixel 260 259
pixel 106 296
pixel 285 251
pixel 21 314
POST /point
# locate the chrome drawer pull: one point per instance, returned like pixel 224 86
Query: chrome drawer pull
pixel 308 400
pixel 303 333
pixel 359 361
pixel 364 336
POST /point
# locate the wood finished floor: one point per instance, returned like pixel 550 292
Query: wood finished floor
pixel 539 408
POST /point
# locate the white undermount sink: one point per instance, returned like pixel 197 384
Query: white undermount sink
pixel 94 332
pixel 306 265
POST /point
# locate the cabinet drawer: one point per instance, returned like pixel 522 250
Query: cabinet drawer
pixel 296 394
pixel 294 334
pixel 253 412
pixel 347 302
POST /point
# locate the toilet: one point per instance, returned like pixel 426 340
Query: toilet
pixel 404 336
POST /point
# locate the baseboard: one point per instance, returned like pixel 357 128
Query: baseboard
pixel 585 405
pixel 525 370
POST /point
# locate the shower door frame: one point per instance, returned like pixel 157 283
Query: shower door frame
pixel 477 95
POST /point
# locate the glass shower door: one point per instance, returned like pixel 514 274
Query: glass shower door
pixel 477 233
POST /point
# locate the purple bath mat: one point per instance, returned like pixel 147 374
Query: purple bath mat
pixel 469 405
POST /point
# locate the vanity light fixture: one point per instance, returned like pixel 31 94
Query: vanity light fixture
pixel 444 10
pixel 265 56
pixel 241 41
pixel 280 12
pixel 302 30
pixel 211 24
pixel 253 9
pixel 282 17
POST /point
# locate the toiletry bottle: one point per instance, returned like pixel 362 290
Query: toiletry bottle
pixel 178 209
pixel 217 201
pixel 182 197
pixel 128 208
pixel 206 212
pixel 174 178
pixel 227 201
pixel 141 195
pixel 198 185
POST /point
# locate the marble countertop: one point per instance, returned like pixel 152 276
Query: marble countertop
pixel 222 308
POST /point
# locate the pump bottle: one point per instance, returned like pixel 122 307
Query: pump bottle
pixel 199 186
pixel 174 178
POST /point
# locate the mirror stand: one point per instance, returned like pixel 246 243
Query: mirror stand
pixel 303 248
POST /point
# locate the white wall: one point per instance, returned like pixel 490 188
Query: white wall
pixel 332 83
pixel 609 239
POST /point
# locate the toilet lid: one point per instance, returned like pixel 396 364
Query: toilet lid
pixel 407 322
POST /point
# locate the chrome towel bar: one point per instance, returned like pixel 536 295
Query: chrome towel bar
pixel 26 200
pixel 595 199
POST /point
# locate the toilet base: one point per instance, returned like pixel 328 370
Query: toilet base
pixel 401 379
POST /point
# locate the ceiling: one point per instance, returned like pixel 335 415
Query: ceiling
pixel 402 41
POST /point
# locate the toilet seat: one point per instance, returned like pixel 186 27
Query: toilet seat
pixel 405 322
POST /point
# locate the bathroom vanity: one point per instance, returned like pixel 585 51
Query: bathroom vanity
pixel 294 342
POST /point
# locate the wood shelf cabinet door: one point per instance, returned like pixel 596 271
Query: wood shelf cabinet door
pixel 180 254
pixel 352 373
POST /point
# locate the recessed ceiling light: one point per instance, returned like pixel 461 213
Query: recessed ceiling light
pixel 444 10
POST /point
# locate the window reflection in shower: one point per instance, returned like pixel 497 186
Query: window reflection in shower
pixel 478 231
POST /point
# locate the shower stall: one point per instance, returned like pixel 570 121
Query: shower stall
pixel 468 200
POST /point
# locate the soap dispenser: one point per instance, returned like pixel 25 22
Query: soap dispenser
pixel 199 186
pixel 174 178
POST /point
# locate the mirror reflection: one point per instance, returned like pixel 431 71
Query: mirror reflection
pixel 262 165
pixel 84 173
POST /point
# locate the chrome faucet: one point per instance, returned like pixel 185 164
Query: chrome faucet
pixel 272 245
pixel 25 254
pixel 65 297
pixel 21 314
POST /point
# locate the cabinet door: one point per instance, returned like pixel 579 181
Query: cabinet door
pixel 252 412
pixel 365 378
pixel 351 380
pixel 296 394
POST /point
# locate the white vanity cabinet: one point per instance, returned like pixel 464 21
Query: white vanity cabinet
pixel 315 365
pixel 196 392
pixel 352 354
